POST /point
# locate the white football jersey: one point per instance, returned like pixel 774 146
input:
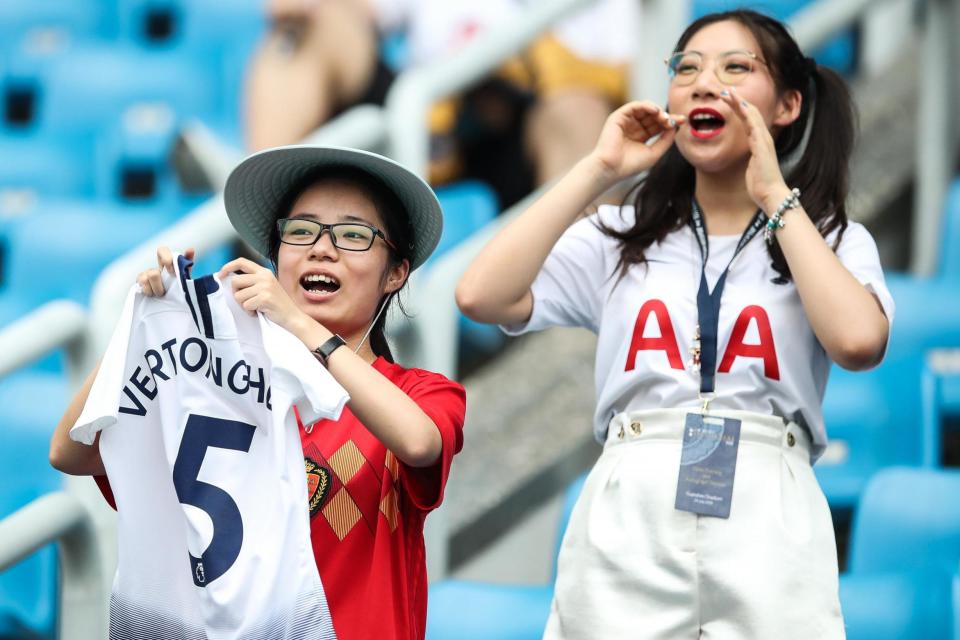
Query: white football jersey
pixel 769 360
pixel 194 404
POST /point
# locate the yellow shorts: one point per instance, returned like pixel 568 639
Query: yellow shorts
pixel 545 69
pixel 557 69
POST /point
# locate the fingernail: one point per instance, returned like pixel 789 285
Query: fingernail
pixel 672 123
pixel 725 93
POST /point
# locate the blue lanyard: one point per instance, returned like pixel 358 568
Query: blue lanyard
pixel 708 303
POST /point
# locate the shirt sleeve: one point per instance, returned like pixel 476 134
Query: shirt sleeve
pixel 103 401
pixel 568 290
pixel 858 253
pixel 298 379
pixel 445 403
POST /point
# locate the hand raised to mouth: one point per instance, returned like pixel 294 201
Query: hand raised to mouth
pixel 635 136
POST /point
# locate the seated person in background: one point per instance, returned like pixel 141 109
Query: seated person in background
pixel 523 126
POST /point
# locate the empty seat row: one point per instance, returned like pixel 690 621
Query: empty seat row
pixel 146 23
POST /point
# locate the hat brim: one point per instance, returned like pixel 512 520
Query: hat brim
pixel 261 184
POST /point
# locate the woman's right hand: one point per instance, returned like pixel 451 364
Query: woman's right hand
pixel 150 281
pixel 624 147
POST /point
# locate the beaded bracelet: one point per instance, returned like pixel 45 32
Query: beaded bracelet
pixel 775 221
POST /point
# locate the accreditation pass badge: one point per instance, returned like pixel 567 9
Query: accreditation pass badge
pixel 708 465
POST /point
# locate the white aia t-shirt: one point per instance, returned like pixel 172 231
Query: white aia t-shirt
pixel 769 360
pixel 193 402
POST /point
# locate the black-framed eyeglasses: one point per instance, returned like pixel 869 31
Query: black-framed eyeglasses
pixel 349 236
pixel 730 67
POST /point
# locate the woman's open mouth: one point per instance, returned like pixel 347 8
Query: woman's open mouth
pixel 320 284
pixel 706 123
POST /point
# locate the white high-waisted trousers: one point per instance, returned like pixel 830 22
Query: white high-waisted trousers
pixel 632 566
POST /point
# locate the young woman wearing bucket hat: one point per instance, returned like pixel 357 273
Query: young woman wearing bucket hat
pixel 343 229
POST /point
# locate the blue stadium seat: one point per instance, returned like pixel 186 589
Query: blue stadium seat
pixel 31 406
pixel 905 552
pixel 219 37
pixel 75 18
pixel 909 519
pixel 858 416
pixel 21 78
pixel 191 23
pixel 840 53
pixel 107 115
pixel 127 160
pixel 44 168
pixel 463 610
pixel 468 610
pixel 897 606
pixel 57 248
pixel 95 86
pixel 59 251
pixel 468 206
pixel 132 158
pixel 395 51
pixel 948 268
pixel 875 415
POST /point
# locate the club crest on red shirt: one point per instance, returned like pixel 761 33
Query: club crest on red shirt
pixel 318 484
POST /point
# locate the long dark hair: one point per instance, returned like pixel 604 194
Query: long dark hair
pixel 397 230
pixel 663 198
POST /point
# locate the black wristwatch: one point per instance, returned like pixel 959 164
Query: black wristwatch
pixel 323 351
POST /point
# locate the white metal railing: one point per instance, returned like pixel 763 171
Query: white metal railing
pixel 416 90
pixel 60 517
pixel 936 129
pixel 403 126
pixel 937 134
pixel 21 342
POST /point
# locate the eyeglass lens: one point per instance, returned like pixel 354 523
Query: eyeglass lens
pixel 349 236
pixel 731 67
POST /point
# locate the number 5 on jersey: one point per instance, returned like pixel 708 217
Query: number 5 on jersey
pixel 200 433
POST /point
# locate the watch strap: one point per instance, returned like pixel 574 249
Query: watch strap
pixel 324 351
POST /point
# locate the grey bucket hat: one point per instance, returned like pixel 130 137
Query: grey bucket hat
pixel 261 184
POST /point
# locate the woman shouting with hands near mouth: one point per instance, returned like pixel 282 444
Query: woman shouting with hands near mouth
pixel 720 297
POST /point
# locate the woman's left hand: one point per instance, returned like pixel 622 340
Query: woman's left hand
pixel 765 182
pixel 257 289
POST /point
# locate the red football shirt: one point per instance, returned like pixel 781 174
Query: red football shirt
pixel 367 511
